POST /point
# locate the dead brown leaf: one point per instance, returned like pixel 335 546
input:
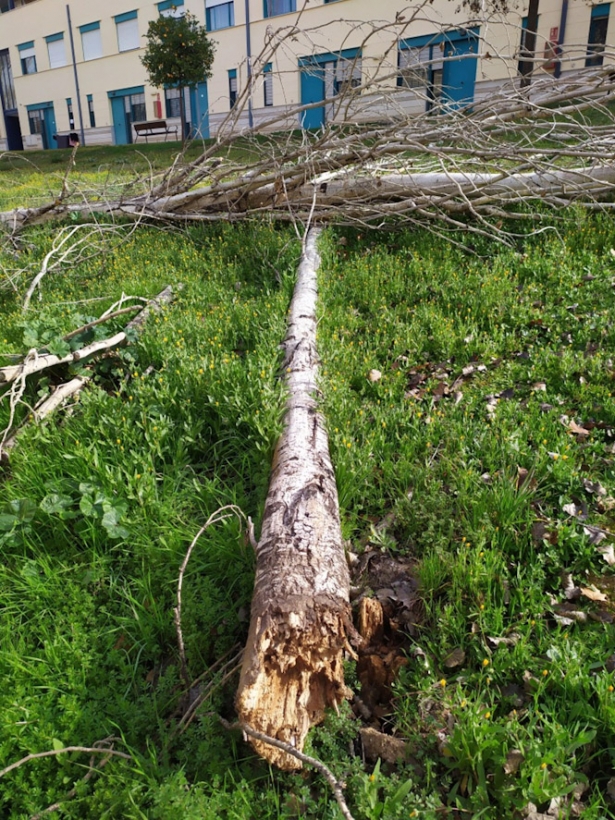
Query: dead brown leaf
pixel 455 658
pixel 513 760
pixel 593 594
pixel 577 430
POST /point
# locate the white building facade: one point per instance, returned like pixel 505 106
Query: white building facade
pixel 74 66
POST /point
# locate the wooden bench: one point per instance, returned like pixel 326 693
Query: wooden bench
pixel 152 127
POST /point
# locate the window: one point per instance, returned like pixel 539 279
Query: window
pixel 36 120
pixel 71 116
pixel 232 86
pixel 91 111
pixel 7 88
pixel 597 34
pixel 56 50
pixel 413 66
pixel 268 84
pixel 172 102
pixel 127 27
pixel 421 68
pixel 274 7
pixel 171 8
pixel 27 57
pixel 91 42
pixel 219 14
pixel 347 75
pixel 134 106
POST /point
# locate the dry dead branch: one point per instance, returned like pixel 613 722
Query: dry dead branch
pixel 35 363
pixel 301 758
pixel 92 750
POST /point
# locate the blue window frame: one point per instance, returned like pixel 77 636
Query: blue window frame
pixel 596 40
pixel 268 84
pixel 271 8
pixel 27 57
pixel 219 14
pixel 232 86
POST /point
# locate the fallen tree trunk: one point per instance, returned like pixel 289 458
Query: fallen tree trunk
pixel 349 194
pixel 293 663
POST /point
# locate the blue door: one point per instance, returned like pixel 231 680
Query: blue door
pixel 49 127
pixel 200 107
pixel 312 90
pixel 459 76
pixel 118 113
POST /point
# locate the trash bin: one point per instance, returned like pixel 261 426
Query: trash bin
pixel 62 140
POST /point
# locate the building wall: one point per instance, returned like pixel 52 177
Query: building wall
pixel 320 28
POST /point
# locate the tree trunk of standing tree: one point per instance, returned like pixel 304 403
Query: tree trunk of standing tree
pixel 293 663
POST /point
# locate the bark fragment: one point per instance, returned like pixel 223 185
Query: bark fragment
pixel 293 663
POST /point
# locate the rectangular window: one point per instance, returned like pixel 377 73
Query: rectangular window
pixel 56 50
pixel 347 75
pixel 134 106
pixel 274 7
pixel 172 102
pixel 232 86
pixel 71 116
pixel 596 40
pixel 7 88
pixel 91 111
pixel 127 27
pixel 413 66
pixel 219 14
pixel 268 84
pixel 36 120
pixel 91 42
pixel 27 57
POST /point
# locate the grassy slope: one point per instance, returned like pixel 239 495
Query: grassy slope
pixel 87 645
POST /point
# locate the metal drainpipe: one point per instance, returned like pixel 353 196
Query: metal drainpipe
pixel 560 40
pixel 249 60
pixel 72 49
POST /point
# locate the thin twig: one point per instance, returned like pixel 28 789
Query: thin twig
pixel 335 784
pixel 214 518
pixel 65 750
pixel 102 319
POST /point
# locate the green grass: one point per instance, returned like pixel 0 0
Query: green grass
pixel 185 420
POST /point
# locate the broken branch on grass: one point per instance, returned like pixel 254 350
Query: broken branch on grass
pixel 93 769
pixel 36 362
pixel 105 318
pixel 221 514
pixel 335 784
pixel 42 409
pixel 65 750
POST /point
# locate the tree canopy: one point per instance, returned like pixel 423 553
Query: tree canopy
pixel 179 51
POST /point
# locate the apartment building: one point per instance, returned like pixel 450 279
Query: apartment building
pixel 74 66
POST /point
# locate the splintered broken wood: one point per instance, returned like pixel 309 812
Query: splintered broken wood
pixel 293 663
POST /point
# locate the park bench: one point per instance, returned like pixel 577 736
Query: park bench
pixel 150 128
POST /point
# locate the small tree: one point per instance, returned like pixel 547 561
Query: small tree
pixel 179 53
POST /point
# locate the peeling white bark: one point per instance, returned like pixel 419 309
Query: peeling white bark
pixel 293 663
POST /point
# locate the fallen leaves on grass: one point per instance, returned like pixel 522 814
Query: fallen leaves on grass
pixel 593 594
pixel 514 759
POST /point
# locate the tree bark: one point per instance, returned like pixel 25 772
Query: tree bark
pixel 293 662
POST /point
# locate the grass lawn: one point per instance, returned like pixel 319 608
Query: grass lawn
pixel 469 401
